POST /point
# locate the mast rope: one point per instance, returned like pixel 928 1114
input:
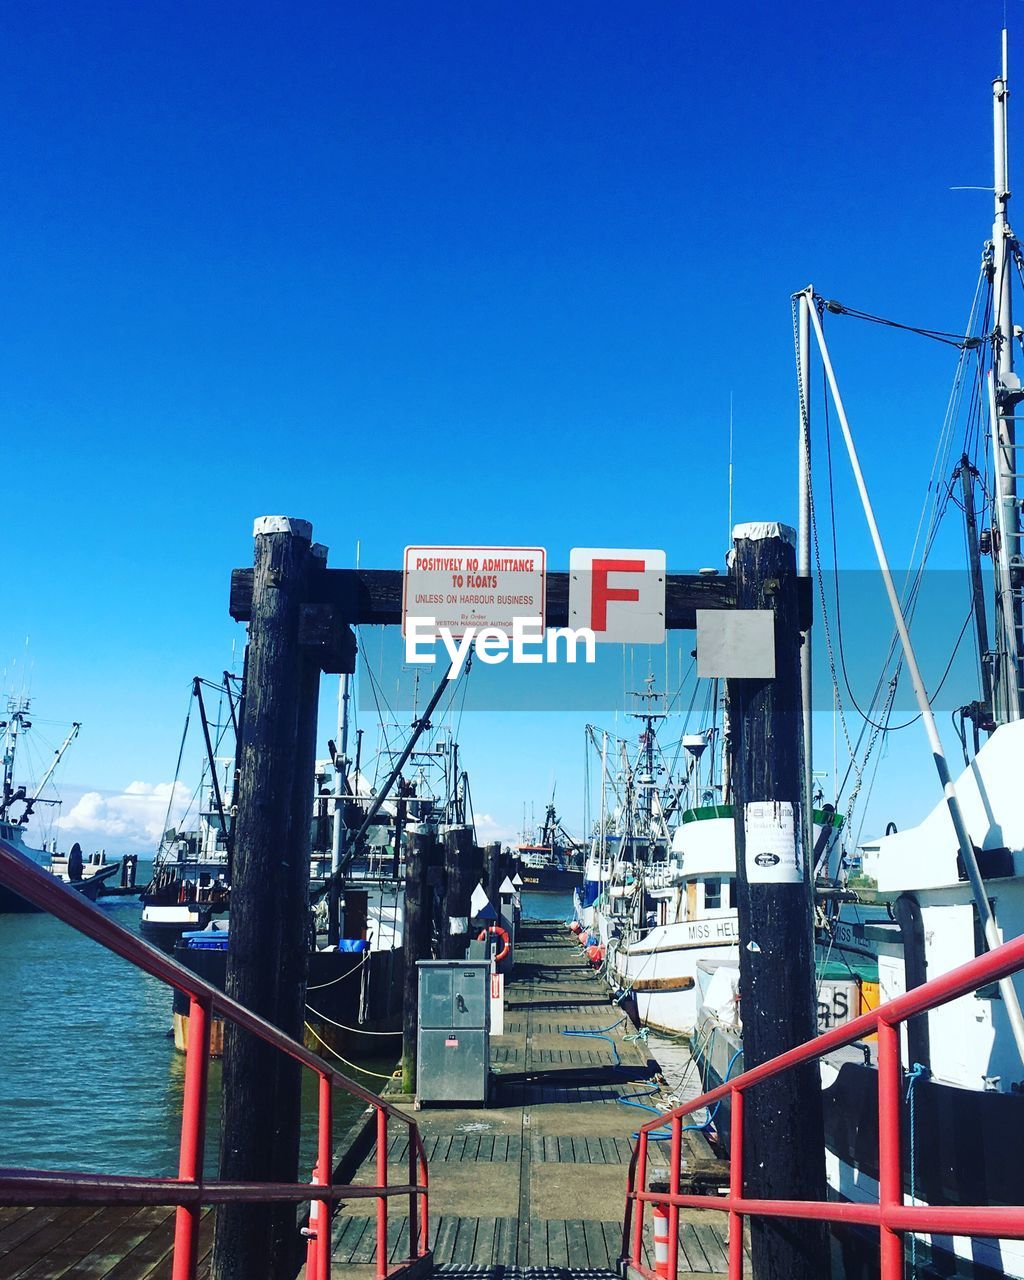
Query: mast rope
pixel 965 342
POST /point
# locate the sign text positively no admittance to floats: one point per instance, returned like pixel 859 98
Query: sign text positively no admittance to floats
pixel 468 588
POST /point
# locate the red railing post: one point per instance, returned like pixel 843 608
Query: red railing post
pixel 675 1159
pixel 382 1201
pixel 414 1195
pixel 323 1175
pixel 425 1218
pixel 640 1185
pixel 890 1177
pixel 193 1134
pixel 735 1183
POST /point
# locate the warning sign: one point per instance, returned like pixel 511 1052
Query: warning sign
pixel 472 587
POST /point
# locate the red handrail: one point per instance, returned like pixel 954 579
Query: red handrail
pixel 890 1215
pixel 190 1191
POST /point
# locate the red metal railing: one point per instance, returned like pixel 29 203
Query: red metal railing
pixel 189 1192
pixel 890 1215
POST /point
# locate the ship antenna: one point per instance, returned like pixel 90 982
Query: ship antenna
pixel 728 532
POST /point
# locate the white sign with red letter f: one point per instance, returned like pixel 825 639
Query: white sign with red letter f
pixel 618 594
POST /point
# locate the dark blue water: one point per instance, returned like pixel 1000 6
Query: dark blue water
pixel 546 906
pixel 89 1077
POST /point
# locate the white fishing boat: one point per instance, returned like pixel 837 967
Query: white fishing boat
pixel 17 805
pixel 953 883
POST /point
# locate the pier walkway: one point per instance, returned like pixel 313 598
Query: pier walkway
pixel 537 1180
pixel 533 1184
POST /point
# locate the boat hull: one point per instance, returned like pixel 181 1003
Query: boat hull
pixel 551 879
pixel 351 998
pixel 967 1146
pixel 165 927
pixel 12 903
pixel 659 973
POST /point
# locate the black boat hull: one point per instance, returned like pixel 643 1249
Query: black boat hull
pixel 550 879
pixel 352 996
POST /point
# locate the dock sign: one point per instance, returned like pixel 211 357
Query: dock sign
pixel 618 594
pixel 464 588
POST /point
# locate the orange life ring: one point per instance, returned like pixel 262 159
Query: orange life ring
pixel 502 933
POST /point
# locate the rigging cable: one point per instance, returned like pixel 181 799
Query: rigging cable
pixel 964 342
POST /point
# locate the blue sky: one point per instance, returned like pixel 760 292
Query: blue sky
pixel 450 273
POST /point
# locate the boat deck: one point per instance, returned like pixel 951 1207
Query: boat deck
pixel 537 1180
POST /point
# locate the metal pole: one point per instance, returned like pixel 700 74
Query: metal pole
pixel 967 474
pixel 340 769
pixel 735 1184
pixel 382 1200
pixel 193 1131
pixel 378 800
pixel 803 557
pixel 890 1178
pixel 992 939
pixel 1004 403
pixel 324 1176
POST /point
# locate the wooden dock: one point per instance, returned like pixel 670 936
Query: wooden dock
pixel 534 1181
pixel 94 1242
pixel 537 1180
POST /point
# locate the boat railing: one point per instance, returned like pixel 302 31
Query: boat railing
pixel 190 1192
pixel 893 1218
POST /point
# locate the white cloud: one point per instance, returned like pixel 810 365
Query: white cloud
pixel 131 818
pixel 489 829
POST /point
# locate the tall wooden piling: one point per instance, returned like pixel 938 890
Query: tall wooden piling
pixel 492 866
pixel 415 941
pixel 269 906
pixel 783 1126
pixel 458 865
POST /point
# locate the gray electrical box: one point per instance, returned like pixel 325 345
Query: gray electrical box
pixel 453 1050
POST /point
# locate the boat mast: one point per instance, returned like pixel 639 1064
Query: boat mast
pixel 803 553
pixel 1005 394
pixel 967 851
pixel 603 854
pixel 30 804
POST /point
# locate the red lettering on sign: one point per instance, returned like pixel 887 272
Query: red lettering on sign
pixel 601 592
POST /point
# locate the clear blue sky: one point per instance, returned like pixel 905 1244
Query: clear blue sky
pixel 448 273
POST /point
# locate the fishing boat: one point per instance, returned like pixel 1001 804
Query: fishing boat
pixel 358 838
pixel 552 863
pixel 17 805
pixel 660 920
pixel 951 885
pixel 190 884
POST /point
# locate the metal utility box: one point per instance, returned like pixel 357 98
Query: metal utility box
pixel 453 1049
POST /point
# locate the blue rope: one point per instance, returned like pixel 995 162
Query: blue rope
pixel 919 1072
pixel 600 1035
pixel 660 1135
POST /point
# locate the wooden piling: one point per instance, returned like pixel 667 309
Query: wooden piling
pixel 783 1127
pixel 416 940
pixel 269 906
pixel 492 865
pixel 458 863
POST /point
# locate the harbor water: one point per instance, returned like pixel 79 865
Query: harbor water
pixel 89 1077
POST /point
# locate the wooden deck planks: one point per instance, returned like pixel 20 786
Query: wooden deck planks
pixel 537 1180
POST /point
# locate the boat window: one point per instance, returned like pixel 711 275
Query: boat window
pixel 729 899
pixel 712 894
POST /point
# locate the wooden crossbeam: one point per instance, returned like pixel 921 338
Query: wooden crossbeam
pixel 373 597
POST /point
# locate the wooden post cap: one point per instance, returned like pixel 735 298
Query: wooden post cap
pixel 282 524
pixel 758 530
